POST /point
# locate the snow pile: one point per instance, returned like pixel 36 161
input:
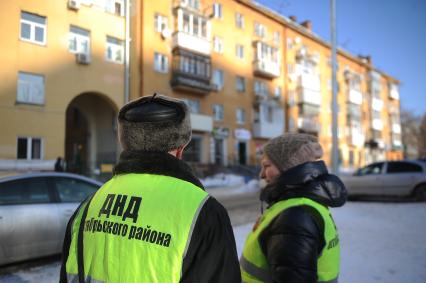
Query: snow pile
pixel 223 180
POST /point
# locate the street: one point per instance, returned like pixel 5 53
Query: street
pixel 381 242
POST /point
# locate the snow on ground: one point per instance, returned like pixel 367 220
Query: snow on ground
pixel 381 243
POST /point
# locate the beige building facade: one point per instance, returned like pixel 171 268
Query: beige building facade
pixel 247 74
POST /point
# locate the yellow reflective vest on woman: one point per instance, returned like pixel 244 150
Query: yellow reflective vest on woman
pixel 136 228
pixel 254 264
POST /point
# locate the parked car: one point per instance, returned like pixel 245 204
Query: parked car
pixel 34 211
pixel 405 178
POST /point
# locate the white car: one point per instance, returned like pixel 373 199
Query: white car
pixel 34 211
pixel 406 178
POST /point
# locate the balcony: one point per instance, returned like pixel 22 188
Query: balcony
pixel 396 128
pixel 309 96
pixel 394 93
pixel 355 96
pixel 191 42
pixel 356 137
pixel 270 119
pixel 377 124
pixel 310 81
pixel 187 82
pixel 200 122
pixel 267 130
pixel 377 104
pixel 396 144
pixel 308 124
pixel 266 68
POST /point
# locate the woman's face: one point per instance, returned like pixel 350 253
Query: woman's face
pixel 269 172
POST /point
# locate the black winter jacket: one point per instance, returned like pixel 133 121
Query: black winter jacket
pixel 212 255
pixel 294 240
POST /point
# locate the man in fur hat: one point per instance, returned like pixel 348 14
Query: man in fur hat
pixel 153 221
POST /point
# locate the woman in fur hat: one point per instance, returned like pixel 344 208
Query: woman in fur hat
pixel 295 239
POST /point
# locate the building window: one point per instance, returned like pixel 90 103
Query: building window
pixel 217 10
pixel 259 30
pixel 198 23
pixel 277 92
pixel 114 50
pixel 240 84
pixel 193 150
pixel 260 88
pixel 239 51
pixel 218 79
pixel 193 105
pixel 276 37
pixel 161 63
pixel 239 20
pixel 218 112
pixel 266 52
pixel 240 115
pixel 160 22
pixel 29 148
pixel 218 44
pixel 198 66
pixel 79 40
pixel 115 7
pixel 30 88
pixel 33 28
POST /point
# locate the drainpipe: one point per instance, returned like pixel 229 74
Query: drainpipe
pixel 127 54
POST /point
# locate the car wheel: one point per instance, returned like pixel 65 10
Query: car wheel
pixel 420 193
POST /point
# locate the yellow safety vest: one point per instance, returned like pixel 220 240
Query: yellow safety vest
pixel 254 264
pixel 137 229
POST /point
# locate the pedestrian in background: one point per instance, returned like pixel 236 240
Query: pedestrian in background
pixel 58 165
pixel 153 221
pixel 295 239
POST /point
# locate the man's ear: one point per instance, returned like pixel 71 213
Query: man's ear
pixel 179 152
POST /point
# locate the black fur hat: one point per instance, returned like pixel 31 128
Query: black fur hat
pixel 155 123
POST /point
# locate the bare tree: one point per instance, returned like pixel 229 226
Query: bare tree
pixel 422 137
pixel 410 128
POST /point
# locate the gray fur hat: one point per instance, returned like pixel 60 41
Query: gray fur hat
pixel 155 123
pixel 292 149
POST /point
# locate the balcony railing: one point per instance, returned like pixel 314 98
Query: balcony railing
pixel 307 95
pixel 355 96
pixel 263 129
pixel 377 124
pixel 356 137
pixel 396 128
pixel 191 83
pixel 266 68
pixel 191 42
pixel 308 124
pixel 310 81
pixel 377 104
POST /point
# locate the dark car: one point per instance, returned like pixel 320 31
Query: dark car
pixel 405 178
pixel 34 211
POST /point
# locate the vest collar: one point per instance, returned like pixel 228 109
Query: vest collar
pixel 158 163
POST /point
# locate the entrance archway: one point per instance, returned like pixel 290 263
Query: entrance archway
pixel 91 146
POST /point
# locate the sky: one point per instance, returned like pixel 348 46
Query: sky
pixel 392 32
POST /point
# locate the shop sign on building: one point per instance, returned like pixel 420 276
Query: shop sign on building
pixel 220 132
pixel 242 134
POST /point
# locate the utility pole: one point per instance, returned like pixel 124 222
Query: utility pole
pixel 334 106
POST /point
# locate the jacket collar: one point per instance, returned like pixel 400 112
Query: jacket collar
pixel 158 163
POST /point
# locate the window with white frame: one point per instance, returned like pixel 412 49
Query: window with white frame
pixel 193 105
pixel 239 20
pixel 79 40
pixel 115 7
pixel 240 83
pixel 265 52
pixel 240 114
pixel 218 112
pixel 30 88
pixel 276 37
pixel 29 148
pixel 218 44
pixel 114 50
pixel 198 24
pixel 239 51
pixel 217 10
pixel 161 63
pixel 33 28
pixel 218 78
pixel 160 22
pixel 259 29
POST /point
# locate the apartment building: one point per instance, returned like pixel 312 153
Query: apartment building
pixel 247 73
pixel 62 83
